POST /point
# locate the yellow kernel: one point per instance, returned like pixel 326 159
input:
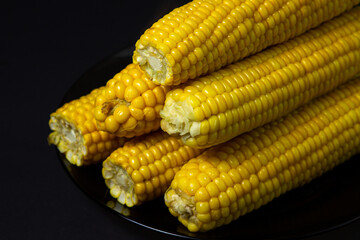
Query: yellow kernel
pixel 127 79
pixel 140 85
pixel 176 54
pixel 98 114
pixel 169 174
pixel 121 113
pixel 199 54
pixel 202 195
pixel 138 114
pixel 139 188
pixel 193 186
pixel 130 93
pixel 220 184
pixel 137 177
pixel 223 166
pixel 150 114
pixel 149 187
pixel 111 124
pixel 202 207
pixel 153 169
pixel 134 162
pixel 213 105
pixel 156 183
pixel 263 174
pixel 120 90
pixel 149 98
pixel 138 102
pixel 192 227
pixel 205 218
pixel 224 200
pixel 144 170
pixel 130 123
pixel 163 48
pixel 160 94
pixel 246 185
pixel 212 189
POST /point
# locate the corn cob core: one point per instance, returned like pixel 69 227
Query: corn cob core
pixel 130 103
pixel 266 86
pixel 144 167
pixel 75 133
pixel 203 36
pixel 232 179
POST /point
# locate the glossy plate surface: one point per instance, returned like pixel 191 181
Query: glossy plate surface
pixel 325 204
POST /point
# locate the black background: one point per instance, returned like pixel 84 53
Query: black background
pixel 45 46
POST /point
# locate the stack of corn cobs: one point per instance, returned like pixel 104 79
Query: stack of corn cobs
pixel 226 105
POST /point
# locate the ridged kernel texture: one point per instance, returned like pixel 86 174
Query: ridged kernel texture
pixel 144 167
pixel 75 133
pixel 204 35
pixel 259 89
pixel 232 179
pixel 130 103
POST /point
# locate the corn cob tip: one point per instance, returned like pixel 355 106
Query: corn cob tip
pixel 153 63
pixel 182 206
pixel 176 119
pixel 68 139
pixel 120 183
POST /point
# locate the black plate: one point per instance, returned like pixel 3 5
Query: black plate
pixel 325 204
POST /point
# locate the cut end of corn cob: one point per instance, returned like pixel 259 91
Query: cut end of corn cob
pixel 120 183
pixel 177 119
pixel 182 206
pixel 153 62
pixel 130 104
pixel 68 140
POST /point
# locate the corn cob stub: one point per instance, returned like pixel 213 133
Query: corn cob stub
pixel 130 104
pixel 75 133
pixel 203 36
pixel 144 167
pixel 217 107
pixel 232 179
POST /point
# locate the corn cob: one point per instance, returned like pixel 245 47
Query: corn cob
pixel 232 179
pixel 75 133
pixel 130 104
pixel 144 167
pixel 203 35
pixel 265 86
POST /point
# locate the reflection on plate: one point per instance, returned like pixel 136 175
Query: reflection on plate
pixel 325 204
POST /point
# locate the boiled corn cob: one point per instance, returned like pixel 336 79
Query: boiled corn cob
pixel 265 86
pixel 232 179
pixel 130 104
pixel 75 133
pixel 144 167
pixel 205 35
